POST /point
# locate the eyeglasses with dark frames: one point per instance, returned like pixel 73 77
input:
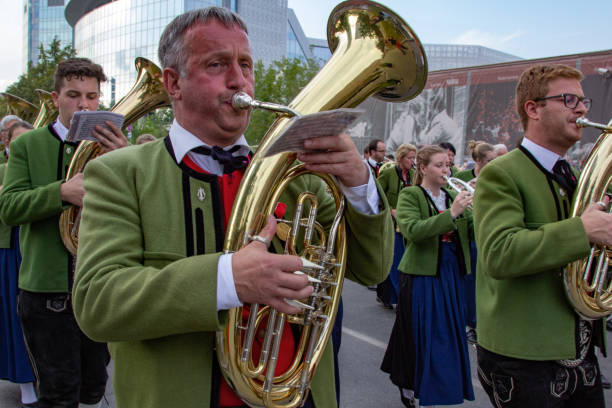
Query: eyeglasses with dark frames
pixel 571 101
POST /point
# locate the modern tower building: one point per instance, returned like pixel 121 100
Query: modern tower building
pixel 43 21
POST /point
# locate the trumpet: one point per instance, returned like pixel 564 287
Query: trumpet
pixel 459 185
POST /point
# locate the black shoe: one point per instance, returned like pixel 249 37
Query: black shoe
pixel 471 335
pixel 372 287
pixel 605 383
pixel 30 405
pixel 385 305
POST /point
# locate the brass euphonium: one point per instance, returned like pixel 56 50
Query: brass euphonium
pixel 146 95
pixel 588 281
pixel 374 53
pixel 20 107
pixel 48 112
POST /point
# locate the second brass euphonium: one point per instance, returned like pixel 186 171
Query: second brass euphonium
pixel 47 112
pixel 146 95
pixel 374 53
pixel 588 282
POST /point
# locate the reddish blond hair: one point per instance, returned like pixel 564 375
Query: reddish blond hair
pixel 534 81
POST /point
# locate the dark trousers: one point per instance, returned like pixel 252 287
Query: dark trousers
pixel 69 367
pixel 511 382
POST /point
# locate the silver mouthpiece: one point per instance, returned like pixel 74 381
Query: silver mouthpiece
pixel 241 100
pixel 584 122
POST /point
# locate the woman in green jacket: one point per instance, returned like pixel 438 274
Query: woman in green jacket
pixel 482 153
pixel 14 363
pixel 427 355
pixel 392 180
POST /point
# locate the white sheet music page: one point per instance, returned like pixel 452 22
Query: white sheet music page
pixel 327 123
pixel 83 122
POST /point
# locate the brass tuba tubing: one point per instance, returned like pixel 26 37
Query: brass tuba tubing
pixel 584 122
pixel 586 280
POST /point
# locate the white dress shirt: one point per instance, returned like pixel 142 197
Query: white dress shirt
pixel 60 129
pixel 364 198
pixel 545 157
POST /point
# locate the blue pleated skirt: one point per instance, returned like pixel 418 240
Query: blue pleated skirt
pixel 470 289
pixel 14 362
pixel 398 252
pixel 442 365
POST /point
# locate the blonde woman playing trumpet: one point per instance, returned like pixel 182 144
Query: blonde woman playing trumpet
pixel 427 356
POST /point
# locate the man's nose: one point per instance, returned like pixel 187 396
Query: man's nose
pixel 236 78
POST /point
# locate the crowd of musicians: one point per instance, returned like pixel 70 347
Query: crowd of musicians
pixel 150 286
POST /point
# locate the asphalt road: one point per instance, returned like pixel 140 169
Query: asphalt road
pixel 366 330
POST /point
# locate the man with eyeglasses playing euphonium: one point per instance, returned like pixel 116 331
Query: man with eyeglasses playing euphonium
pixel 534 350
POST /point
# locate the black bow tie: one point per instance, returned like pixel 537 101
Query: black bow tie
pixel 562 173
pixel 225 158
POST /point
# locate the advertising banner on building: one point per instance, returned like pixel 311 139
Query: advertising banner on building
pixel 478 103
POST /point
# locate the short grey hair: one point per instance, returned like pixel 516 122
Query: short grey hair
pixel 7 119
pixel 172 53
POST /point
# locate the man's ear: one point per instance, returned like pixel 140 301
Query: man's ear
pixel 54 97
pixel 171 83
pixel 531 109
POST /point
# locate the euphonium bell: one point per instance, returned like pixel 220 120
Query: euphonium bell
pixel 146 95
pixel 20 107
pixel 374 53
pixel 588 282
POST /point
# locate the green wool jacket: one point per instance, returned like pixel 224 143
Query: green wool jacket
pixel 5 230
pixel 465 175
pixel 31 198
pixel 524 238
pixel 146 274
pixel 389 181
pixel 422 231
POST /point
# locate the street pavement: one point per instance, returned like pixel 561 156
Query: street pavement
pixel 366 329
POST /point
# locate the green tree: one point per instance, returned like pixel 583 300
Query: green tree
pixel 40 76
pixel 279 83
pixel 156 123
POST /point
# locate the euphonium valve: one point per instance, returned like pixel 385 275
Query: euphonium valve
pixel 588 282
pixel 374 53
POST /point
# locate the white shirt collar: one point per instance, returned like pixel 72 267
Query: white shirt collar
pixel 60 129
pixel 184 141
pixel 544 156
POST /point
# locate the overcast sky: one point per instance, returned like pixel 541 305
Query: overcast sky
pixel 525 28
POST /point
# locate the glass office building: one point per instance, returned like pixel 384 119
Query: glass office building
pixel 114 33
pixel 449 56
pixel 43 21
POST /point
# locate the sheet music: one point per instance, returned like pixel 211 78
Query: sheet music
pixel 327 123
pixel 83 122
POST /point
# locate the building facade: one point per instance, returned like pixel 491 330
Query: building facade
pixel 43 21
pixel 114 33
